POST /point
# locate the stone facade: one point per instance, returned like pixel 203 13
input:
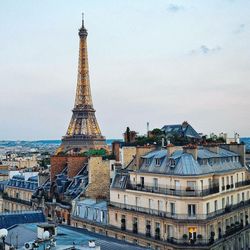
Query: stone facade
pixel 185 210
pixel 99 178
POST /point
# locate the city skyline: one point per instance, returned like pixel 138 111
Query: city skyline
pixel 153 59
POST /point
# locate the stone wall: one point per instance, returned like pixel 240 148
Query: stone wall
pixel 128 154
pixel 99 178
pixel 140 151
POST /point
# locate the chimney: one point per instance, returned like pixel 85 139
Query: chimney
pixel 191 149
pixel 170 149
pixel 213 148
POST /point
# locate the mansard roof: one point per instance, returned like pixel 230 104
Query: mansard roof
pixel 184 164
pixel 184 129
pixel 19 181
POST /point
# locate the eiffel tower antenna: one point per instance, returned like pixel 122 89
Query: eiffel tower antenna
pixel 82 19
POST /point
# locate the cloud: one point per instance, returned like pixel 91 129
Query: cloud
pixel 204 49
pixel 241 28
pixel 174 8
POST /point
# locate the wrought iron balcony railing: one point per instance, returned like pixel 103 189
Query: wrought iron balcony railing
pixel 188 192
pixel 227 209
pixel 17 200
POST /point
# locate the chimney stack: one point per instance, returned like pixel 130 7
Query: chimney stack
pixel 191 149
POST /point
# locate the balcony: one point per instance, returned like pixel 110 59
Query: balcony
pixel 155 212
pixel 242 183
pixel 17 200
pixel 188 192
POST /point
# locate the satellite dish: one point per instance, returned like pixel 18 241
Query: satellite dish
pixel 3 233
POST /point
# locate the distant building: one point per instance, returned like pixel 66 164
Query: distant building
pixel 20 162
pixel 184 130
pixel 18 192
pixel 90 209
pixel 72 178
pixel 129 136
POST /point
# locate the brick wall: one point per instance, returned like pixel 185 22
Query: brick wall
pixel 75 164
pixel 58 163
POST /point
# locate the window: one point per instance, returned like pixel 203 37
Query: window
pixel 118 196
pixel 125 199
pixel 232 199
pixel 191 209
pixel 170 231
pixel 232 181
pixel 157 162
pixel 160 205
pixel 102 216
pixel 150 203
pixel 172 208
pixel 208 208
pixel 155 183
pixel 116 217
pixel 137 199
pixel 227 200
pixel 238 198
pixel 191 185
pixel 142 181
pixel 215 205
pixel 223 183
pixel 157 231
pixel 172 162
pixel 201 184
pixel 177 185
pixel 147 161
pixel 243 196
pixel 223 203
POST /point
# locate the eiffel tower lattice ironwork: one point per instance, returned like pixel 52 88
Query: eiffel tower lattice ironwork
pixel 83 131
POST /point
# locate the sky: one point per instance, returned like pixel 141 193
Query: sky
pixel 156 61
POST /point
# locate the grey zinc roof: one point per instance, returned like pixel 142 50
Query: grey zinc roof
pixel 66 236
pixel 186 165
pixel 204 153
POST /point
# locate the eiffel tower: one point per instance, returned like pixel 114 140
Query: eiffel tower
pixel 83 131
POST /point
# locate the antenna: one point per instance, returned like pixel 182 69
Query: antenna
pixel 82 19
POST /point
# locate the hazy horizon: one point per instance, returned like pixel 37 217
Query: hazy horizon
pixel 162 62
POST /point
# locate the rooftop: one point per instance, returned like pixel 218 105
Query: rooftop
pixel 12 218
pixel 66 235
pixel 184 163
pixel 184 129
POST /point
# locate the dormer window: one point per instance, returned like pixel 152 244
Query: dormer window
pixel 172 162
pixel 147 162
pixel 157 162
